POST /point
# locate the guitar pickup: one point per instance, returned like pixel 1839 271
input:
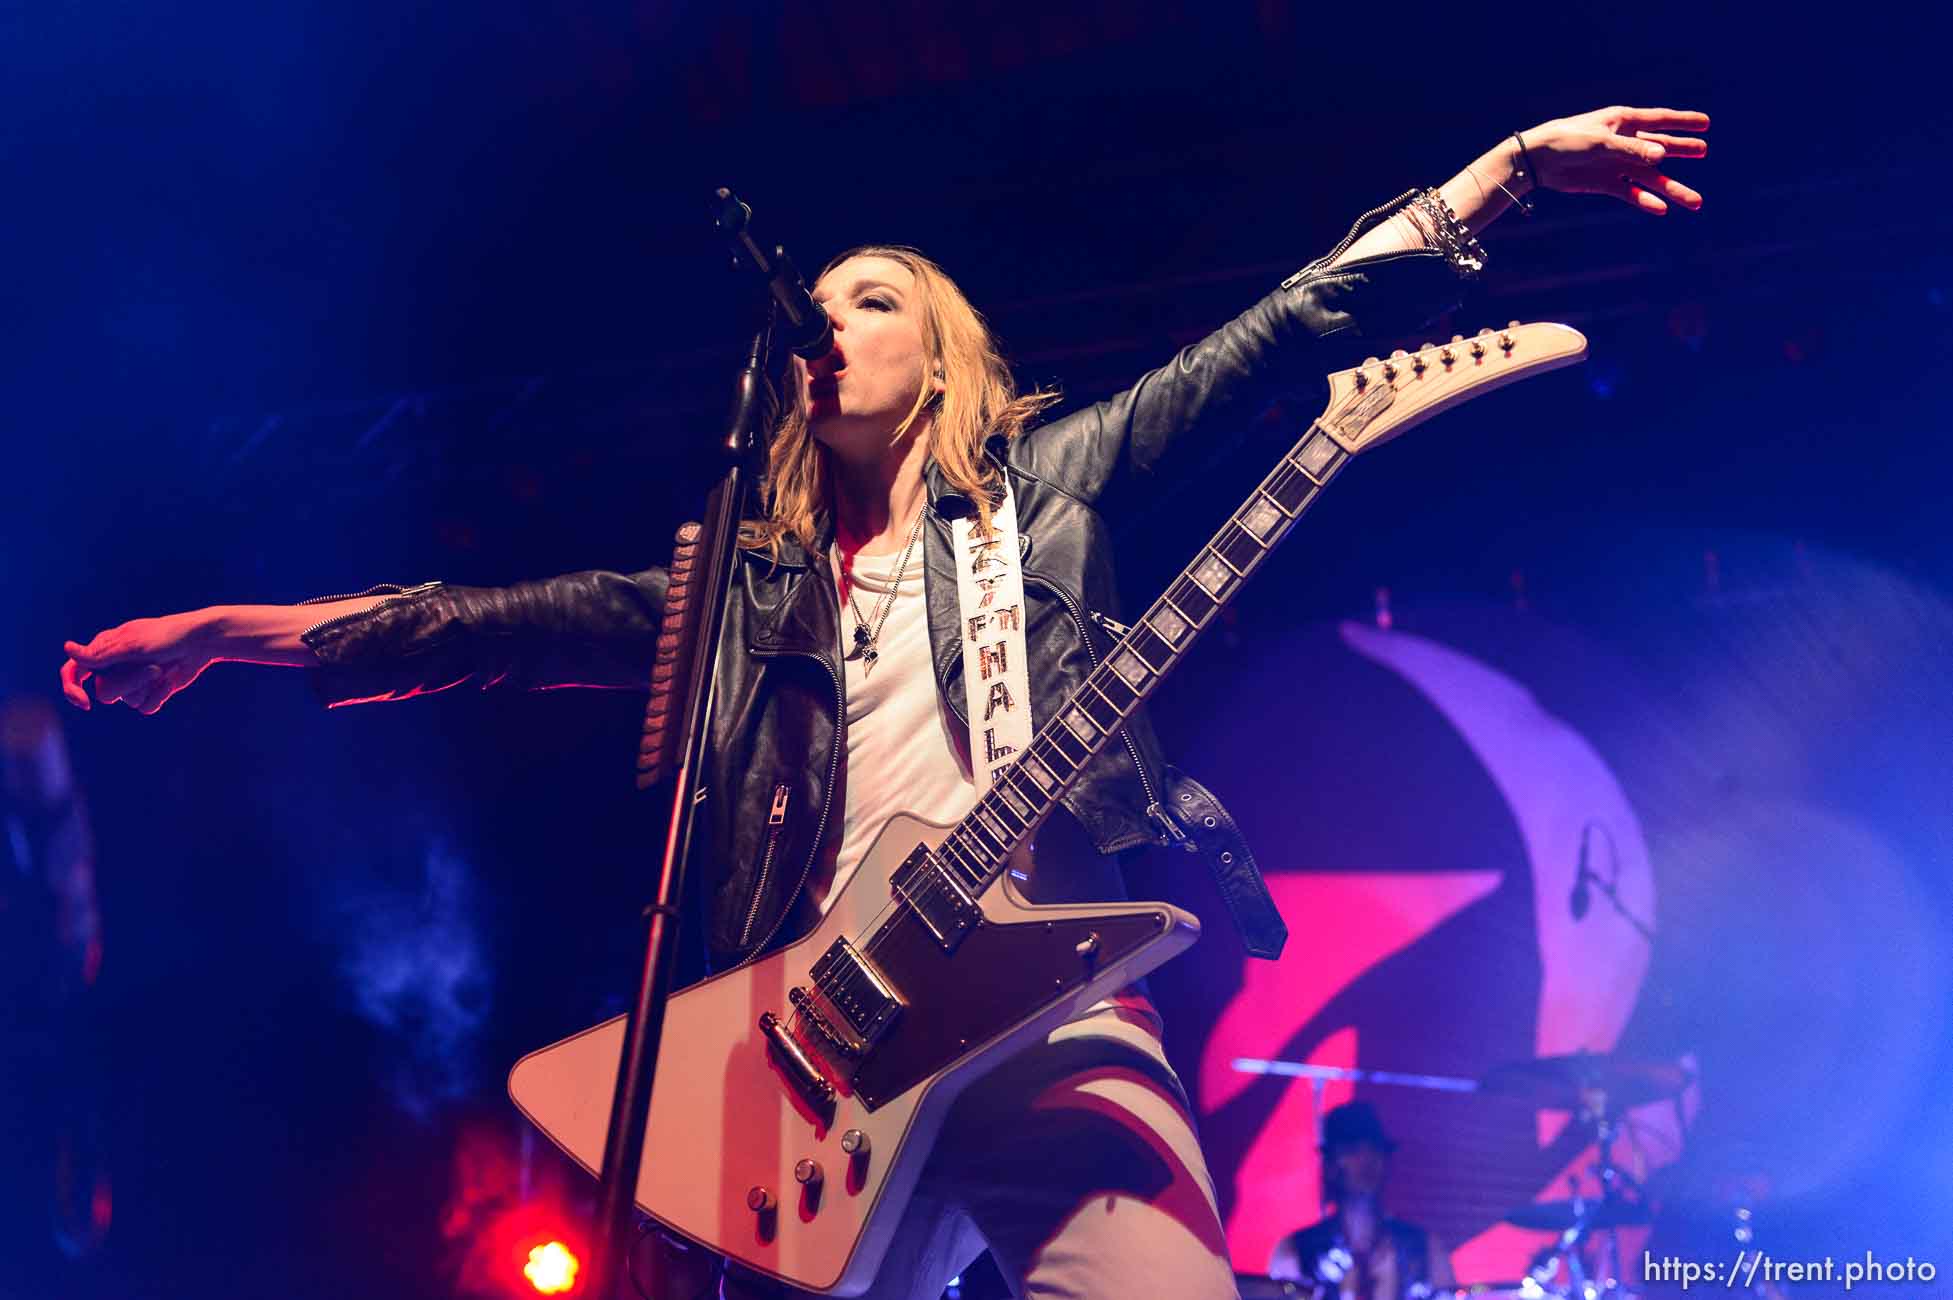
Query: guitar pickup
pixel 850 1004
pixel 938 900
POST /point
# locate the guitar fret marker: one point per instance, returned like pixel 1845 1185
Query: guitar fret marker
pixel 1167 624
pixel 1213 575
pixel 1317 455
pixel 1262 518
pixel 1131 669
pixel 1081 725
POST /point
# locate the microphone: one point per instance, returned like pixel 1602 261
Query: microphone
pixel 805 328
pixel 1581 898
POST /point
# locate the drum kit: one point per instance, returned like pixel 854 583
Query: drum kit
pixel 1583 1261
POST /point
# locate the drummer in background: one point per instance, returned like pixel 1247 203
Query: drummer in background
pixel 1358 1252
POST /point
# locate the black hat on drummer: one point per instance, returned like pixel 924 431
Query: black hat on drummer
pixel 1355 1153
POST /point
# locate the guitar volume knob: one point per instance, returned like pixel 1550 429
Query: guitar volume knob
pixel 760 1200
pixel 854 1142
pixel 807 1173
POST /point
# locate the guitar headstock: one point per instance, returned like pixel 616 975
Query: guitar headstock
pixel 1374 402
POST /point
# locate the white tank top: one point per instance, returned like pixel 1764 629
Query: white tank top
pixel 906 751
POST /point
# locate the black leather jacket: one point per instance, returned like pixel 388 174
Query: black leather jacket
pixel 778 732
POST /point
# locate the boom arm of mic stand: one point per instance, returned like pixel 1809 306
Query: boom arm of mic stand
pixel 1607 888
pixel 644 1024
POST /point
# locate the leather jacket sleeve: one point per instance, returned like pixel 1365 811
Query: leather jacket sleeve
pixel 582 629
pixel 1178 417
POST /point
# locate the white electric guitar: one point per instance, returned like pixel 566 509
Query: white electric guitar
pixel 797 1096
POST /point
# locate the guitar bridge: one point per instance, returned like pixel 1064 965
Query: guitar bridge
pixel 851 1004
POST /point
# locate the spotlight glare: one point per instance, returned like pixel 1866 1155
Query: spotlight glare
pixel 551 1268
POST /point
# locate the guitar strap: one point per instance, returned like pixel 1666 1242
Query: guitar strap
pixel 997 697
pixel 996 676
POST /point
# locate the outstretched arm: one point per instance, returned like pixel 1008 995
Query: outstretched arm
pixel 142 662
pixel 581 629
pixel 1394 272
pixel 1618 152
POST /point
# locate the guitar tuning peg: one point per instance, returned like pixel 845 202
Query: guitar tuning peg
pixel 1485 333
pixel 1512 324
pixel 1371 361
pixel 1399 353
pixel 1457 338
pixel 1424 347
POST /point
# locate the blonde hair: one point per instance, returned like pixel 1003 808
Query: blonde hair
pixel 979 399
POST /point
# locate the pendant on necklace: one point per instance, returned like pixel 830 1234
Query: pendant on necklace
pixel 864 644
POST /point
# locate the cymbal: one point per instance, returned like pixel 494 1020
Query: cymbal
pixel 1563 1082
pixel 1558 1216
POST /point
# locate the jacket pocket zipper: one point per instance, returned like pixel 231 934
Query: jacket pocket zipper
pixel 776 821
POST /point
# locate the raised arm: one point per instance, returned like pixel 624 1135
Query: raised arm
pixel 1399 267
pixel 1618 152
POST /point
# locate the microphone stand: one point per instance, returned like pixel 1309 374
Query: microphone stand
pixel 1588 875
pixel 753 406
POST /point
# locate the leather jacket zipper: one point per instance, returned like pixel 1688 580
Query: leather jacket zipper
pixel 396 594
pixel 776 820
pixel 1363 224
pixel 827 802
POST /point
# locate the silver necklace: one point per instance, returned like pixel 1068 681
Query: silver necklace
pixel 864 639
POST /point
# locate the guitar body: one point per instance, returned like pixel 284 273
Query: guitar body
pixel 730 1114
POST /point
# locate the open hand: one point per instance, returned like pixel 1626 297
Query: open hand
pixel 140 663
pixel 1619 152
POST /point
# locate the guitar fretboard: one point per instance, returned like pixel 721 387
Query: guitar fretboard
pixel 980 846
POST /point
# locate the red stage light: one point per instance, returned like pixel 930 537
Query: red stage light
pixel 551 1268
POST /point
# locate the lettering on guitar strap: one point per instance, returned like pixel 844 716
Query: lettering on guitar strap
pixel 1007 618
pixel 993 753
pixel 990 594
